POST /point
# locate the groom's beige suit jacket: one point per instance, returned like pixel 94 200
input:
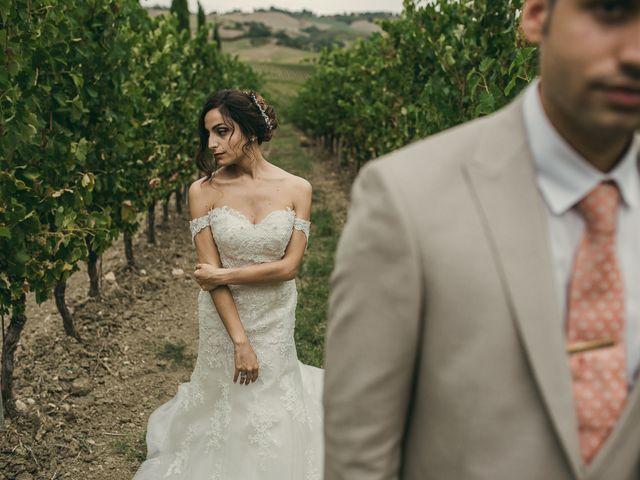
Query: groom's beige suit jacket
pixel 445 355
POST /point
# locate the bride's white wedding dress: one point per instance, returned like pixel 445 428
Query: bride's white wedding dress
pixel 214 429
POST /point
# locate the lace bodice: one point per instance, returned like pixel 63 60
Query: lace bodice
pixel 241 242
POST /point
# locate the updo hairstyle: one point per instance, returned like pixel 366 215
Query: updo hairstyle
pixel 240 107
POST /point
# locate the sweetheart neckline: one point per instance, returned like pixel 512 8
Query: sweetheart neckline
pixel 242 215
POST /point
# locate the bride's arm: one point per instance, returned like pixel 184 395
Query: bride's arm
pixel 245 358
pixel 211 276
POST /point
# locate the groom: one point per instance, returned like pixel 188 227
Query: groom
pixel 485 314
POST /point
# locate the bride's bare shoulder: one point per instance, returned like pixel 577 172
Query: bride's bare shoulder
pixel 300 186
pixel 202 196
pixel 297 184
pixel 300 192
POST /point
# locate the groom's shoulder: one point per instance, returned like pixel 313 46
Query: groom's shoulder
pixel 445 151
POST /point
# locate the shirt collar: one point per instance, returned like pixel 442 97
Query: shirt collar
pixel 564 176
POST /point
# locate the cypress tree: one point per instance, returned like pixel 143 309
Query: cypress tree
pixel 202 19
pixel 181 9
pixel 216 36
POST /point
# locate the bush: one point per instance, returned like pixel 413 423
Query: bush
pixel 258 30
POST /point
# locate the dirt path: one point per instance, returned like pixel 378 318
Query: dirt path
pixel 86 406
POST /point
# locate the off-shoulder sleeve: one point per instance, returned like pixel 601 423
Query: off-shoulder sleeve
pixel 196 225
pixel 303 225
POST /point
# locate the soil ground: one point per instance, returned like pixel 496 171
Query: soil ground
pixel 87 404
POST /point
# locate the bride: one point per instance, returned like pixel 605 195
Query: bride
pixel 251 410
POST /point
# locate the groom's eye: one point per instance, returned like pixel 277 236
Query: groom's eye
pixel 613 10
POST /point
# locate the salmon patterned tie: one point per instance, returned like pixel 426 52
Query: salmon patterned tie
pixel 596 322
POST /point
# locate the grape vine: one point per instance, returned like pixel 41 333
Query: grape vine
pixel 441 63
pixel 98 108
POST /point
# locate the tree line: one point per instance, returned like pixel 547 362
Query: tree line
pixel 98 109
pixel 439 64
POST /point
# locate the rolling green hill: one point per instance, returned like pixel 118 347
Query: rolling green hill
pixel 284 37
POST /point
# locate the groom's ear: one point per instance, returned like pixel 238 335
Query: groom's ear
pixel 536 15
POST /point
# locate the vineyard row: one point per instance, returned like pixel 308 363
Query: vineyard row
pixel 440 64
pixel 98 109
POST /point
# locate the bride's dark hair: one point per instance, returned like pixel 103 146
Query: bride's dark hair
pixel 239 106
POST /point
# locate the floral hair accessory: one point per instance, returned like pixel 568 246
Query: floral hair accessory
pixel 267 120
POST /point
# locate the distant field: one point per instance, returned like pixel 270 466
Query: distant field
pixel 365 26
pixel 284 72
pixel 275 20
pixel 359 27
pixel 266 53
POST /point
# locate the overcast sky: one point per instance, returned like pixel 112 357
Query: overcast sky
pixel 317 6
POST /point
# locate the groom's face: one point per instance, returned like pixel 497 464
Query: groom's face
pixel 589 60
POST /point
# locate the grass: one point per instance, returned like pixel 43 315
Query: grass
pixel 133 448
pixel 175 353
pixel 313 296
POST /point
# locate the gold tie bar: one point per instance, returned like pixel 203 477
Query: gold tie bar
pixel 579 347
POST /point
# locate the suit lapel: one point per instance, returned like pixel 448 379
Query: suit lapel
pixel 502 178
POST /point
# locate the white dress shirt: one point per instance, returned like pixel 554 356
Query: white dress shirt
pixel 564 178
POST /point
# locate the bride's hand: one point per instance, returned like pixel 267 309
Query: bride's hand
pixel 208 276
pixel 246 363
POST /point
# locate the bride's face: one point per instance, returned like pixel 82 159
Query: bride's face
pixel 225 138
